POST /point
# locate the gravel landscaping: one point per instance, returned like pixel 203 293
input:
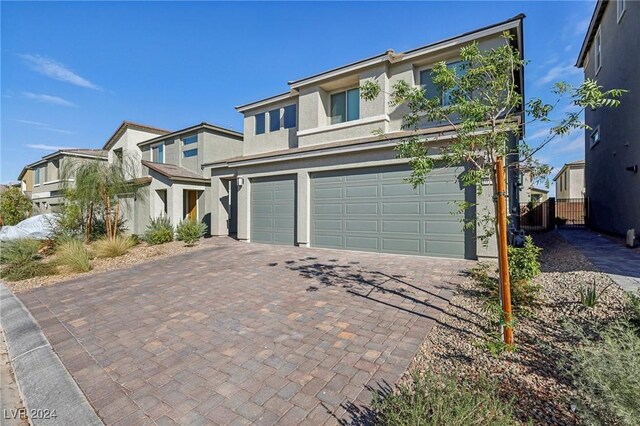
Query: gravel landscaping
pixel 533 375
pixel 141 253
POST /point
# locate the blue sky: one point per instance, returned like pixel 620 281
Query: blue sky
pixel 72 72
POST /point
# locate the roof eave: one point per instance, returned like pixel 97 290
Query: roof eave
pixel 591 30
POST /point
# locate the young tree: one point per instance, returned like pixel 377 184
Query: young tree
pixel 14 206
pixel 96 188
pixel 479 101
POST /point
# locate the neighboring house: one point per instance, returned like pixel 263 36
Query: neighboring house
pixel 528 192
pixel 538 195
pixel 48 176
pixel 26 181
pixel 175 183
pixel 609 55
pixel 570 181
pixel 312 172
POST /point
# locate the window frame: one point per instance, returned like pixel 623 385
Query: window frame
pixel 185 138
pixel 346 105
pixel 295 116
pixel 592 141
pixel 429 68
pixel 264 123
pixel 36 176
pixel 597 51
pixel 190 153
pixel 620 10
pixel 279 120
pixel 160 147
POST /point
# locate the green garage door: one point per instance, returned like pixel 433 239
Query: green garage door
pixel 376 210
pixel 273 210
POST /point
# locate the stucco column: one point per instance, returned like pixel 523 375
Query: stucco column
pixel 244 196
pixel 219 207
pixel 303 209
pixel 175 205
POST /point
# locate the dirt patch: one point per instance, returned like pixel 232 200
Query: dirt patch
pixel 532 375
pixel 141 253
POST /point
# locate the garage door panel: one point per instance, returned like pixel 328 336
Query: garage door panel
pixel 273 210
pixel 361 208
pixel 361 225
pixel 401 226
pixel 361 191
pixel 381 212
pixel 410 208
pixel 361 243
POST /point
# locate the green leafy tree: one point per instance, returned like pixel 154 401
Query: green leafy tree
pixel 14 206
pixel 96 189
pixel 483 110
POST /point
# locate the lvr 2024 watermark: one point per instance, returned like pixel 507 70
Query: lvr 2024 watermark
pixel 23 414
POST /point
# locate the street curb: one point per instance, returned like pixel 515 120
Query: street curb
pixel 44 383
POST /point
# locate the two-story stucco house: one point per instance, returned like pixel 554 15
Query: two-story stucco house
pixel 312 173
pixel 570 181
pixel 48 176
pixel 610 54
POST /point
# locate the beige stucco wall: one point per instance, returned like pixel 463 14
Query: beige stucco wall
pixel 572 186
pixel 132 155
pixel 269 141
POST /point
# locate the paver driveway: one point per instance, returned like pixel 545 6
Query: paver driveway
pixel 243 333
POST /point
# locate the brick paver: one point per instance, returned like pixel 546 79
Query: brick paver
pixel 243 333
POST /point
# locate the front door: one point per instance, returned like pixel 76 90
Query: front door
pixel 190 205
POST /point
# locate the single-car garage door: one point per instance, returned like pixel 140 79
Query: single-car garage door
pixel 273 210
pixel 376 210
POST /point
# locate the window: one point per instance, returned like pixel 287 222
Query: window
pixel 157 153
pixel 622 6
pixel 345 106
pixel 118 154
pixel 595 137
pixel 274 120
pixel 431 90
pixel 190 139
pixel 36 176
pixel 260 119
pixel 597 51
pixel 190 153
pixel 289 116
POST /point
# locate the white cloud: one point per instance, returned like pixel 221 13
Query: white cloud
pixel 56 70
pixel 45 147
pixel 557 73
pixel 44 126
pixel 48 99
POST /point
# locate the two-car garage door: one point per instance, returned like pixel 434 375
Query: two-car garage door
pixel 377 210
pixel 366 209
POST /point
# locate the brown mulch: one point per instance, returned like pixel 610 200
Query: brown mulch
pixel 532 375
pixel 141 253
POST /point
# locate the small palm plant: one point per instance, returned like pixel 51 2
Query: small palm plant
pixel 589 295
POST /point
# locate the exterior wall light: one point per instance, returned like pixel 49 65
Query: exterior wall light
pixel 240 182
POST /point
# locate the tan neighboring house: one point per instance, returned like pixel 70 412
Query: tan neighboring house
pixel 26 181
pixel 312 173
pixel 47 174
pixel 570 181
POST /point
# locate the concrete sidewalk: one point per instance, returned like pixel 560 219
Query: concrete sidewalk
pixel 621 263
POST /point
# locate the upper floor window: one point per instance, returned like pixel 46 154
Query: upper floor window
pixel 260 122
pixel 190 139
pixel 431 90
pixel 118 154
pixel 345 106
pixel 157 153
pixel 274 120
pixel 36 176
pixel 622 6
pixel 597 51
pixel 289 116
pixel 190 153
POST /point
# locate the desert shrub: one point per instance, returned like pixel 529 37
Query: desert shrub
pixel 441 400
pixel 73 255
pixel 99 228
pixel 21 260
pixel 159 231
pixel 115 247
pixel 190 231
pixel 633 308
pixel 523 292
pixel 14 206
pixel 20 250
pixel 589 295
pixel 524 262
pixel 606 373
